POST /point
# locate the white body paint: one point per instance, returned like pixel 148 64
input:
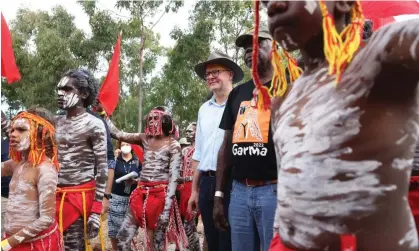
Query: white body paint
pixel 63 81
pixel 319 186
pixel 24 141
pixel 70 100
pixel 311 6
pixel 327 121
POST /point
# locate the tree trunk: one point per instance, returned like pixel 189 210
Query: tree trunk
pixel 140 86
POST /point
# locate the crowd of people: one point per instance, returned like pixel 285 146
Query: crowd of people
pixel 310 154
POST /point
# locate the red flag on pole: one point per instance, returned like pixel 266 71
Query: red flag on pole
pixel 139 152
pixel 383 12
pixel 9 69
pixel 109 92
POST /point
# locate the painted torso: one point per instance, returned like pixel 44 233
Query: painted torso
pixel 31 205
pixel 76 153
pixel 346 153
pixel 158 155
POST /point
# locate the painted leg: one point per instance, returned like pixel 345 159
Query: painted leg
pixel 74 236
pixel 127 231
pixel 192 234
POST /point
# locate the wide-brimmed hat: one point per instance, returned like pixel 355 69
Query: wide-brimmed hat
pixel 246 38
pixel 220 58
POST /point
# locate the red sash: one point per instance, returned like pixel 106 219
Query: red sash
pixel 69 203
pixel 348 243
pixel 49 239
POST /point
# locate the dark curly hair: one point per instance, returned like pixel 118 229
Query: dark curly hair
pixel 85 83
pixel 45 114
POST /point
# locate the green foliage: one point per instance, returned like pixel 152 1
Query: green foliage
pixel 45 45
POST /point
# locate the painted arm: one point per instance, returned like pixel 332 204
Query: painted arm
pixel 7 168
pixel 5 124
pixel 98 139
pixel 46 184
pixel 132 138
pixel 174 168
pixel 402 47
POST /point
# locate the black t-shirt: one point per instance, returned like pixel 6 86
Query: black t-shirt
pixel 122 168
pixel 252 148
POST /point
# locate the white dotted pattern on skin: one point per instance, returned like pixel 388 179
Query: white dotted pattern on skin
pixel 310 6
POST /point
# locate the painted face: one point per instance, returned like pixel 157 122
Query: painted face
pixel 154 122
pixel 265 47
pixel 293 24
pixel 190 132
pixel 68 95
pixel 20 135
pixel 218 77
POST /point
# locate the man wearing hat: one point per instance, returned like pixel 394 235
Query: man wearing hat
pixel 220 72
pixel 248 153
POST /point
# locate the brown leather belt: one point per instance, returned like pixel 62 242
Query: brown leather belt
pixel 208 173
pixel 257 183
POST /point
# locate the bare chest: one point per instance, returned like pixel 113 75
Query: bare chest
pixel 23 182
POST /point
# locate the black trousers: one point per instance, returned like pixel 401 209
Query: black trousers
pixel 217 240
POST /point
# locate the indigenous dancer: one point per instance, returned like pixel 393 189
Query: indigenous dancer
pixel 346 131
pixel 81 140
pixel 30 214
pixel 153 205
pixel 185 189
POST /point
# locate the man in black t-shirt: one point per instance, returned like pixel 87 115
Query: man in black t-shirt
pixel 248 149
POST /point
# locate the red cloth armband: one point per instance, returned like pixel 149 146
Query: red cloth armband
pixel 96 207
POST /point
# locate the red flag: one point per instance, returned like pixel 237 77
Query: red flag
pixel 109 92
pixel 139 152
pixel 383 12
pixel 9 69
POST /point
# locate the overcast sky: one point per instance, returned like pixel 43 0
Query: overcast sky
pixel 164 27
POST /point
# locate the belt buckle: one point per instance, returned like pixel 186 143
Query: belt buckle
pixel 210 174
pixel 247 183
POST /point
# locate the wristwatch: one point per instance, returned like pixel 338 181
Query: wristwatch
pixel 107 196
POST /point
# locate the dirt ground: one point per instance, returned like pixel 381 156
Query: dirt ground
pixel 140 239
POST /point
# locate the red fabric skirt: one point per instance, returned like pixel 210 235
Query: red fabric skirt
pixel 413 198
pixel 49 239
pixel 148 200
pixel 73 202
pixel 348 243
pixel 185 191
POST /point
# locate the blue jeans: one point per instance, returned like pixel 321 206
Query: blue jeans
pixel 217 240
pixel 251 216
